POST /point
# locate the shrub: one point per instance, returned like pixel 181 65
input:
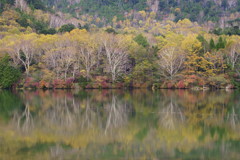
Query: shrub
pixel 69 83
pixel 59 84
pixel 43 84
pixel 170 85
pixel 181 85
pixel 31 83
pixel 217 81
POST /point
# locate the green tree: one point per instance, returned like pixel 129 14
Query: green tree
pixel 221 43
pixel 205 45
pixel 143 72
pixel 225 4
pixel 141 40
pixel 212 44
pixel 8 74
pixel 49 31
pixel 66 28
pixel 111 30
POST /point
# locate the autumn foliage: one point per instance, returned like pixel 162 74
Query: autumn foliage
pixel 137 54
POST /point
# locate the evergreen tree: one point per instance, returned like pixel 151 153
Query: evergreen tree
pixel 220 44
pixel 111 30
pixel 8 74
pixel 141 40
pixel 66 28
pixel 225 4
pixel 212 44
pixel 205 44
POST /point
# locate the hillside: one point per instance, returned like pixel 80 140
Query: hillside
pixel 223 13
pixel 195 10
pixel 42 45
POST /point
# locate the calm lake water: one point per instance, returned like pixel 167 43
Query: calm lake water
pixel 120 124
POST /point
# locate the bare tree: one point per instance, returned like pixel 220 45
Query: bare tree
pixel 21 4
pixel 153 5
pixel 61 57
pixel 87 54
pixel 170 61
pixel 232 3
pixel 116 53
pixel 233 53
pixel 24 50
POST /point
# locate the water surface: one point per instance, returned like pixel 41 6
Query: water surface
pixel 119 124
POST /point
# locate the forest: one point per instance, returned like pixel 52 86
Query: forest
pixel 195 10
pixel 44 48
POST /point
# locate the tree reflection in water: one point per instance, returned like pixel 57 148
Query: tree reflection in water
pixel 24 120
pixel 171 116
pixel 233 118
pixel 68 112
pixel 117 124
pixel 117 113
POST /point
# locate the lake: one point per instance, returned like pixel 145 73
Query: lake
pixel 119 125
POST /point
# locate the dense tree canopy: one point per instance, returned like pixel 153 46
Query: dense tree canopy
pixel 195 10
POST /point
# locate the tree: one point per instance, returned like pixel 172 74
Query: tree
pixel 48 31
pixel 195 62
pixel 212 44
pixel 198 65
pixel 205 44
pixel 171 60
pixel 217 61
pixel 221 43
pixel 23 49
pixel 87 50
pixel 36 4
pixel 171 56
pixel 61 56
pixel 111 30
pixel 66 28
pixel 225 4
pixel 21 4
pixel 233 51
pixel 141 40
pixel 8 74
pixel 116 48
pixel 143 71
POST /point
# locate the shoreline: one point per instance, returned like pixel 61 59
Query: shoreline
pixel 125 88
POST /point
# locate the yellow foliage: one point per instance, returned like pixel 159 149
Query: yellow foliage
pixel 177 10
pixel 143 13
pixel 152 15
pixel 191 44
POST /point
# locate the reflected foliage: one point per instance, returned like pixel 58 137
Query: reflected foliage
pixel 118 124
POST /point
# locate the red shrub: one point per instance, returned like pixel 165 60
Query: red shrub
pixel 59 84
pixel 30 83
pixel 181 85
pixel 104 85
pixel 69 83
pixel 170 85
pixel 42 84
